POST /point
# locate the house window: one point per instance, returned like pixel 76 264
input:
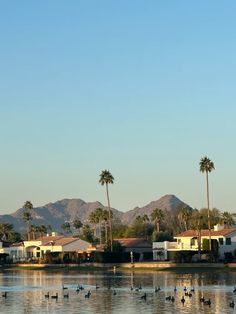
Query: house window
pixel 192 242
pixel 228 241
pixel 221 241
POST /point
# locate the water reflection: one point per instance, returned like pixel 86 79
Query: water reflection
pixel 27 289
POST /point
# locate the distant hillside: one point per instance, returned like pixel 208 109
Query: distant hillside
pixel 55 214
pixel 168 202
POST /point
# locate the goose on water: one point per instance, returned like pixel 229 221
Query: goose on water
pixel 4 294
pixel 46 295
pixel 66 295
pixel 231 304
pixel 54 296
pixel 144 296
pixel 207 302
pixel 87 295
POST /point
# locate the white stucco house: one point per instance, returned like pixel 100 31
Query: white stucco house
pixel 38 248
pixel 188 241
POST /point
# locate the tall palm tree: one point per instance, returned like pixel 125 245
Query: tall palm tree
pixel 206 165
pixel 157 216
pixel 105 218
pixel 105 179
pixel 27 216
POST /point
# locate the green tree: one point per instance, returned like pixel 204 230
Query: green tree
pixel 140 228
pixel 106 178
pixel 184 216
pixel 206 165
pixel 27 216
pixel 33 231
pixel 77 224
pixel 100 214
pixel 42 229
pixel 87 234
pixel 66 227
pixel 197 222
pixel 105 219
pixel 94 219
pixel 227 219
pixel 6 231
pixel 157 216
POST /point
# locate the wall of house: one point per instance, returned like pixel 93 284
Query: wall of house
pixel 75 246
pixel 15 253
pixel 185 244
pixel 32 243
pixel 78 245
pixel 227 248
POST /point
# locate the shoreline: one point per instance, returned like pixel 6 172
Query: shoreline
pixel 140 266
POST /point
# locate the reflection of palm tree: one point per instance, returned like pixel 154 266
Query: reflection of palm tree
pixel 206 165
pixel 107 178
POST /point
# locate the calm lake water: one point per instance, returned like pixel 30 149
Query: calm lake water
pixel 26 292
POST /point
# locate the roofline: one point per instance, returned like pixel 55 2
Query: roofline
pixel 181 236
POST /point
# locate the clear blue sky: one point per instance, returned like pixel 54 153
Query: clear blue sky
pixel 144 89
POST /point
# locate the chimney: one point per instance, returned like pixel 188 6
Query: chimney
pixel 218 227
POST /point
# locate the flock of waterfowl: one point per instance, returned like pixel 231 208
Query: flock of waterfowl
pixel 186 293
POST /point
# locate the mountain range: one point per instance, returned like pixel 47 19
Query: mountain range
pixel 57 213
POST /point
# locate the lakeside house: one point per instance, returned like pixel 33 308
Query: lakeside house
pixel 188 241
pixel 57 245
pixel 139 249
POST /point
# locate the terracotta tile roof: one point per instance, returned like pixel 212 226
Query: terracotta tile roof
pixel 57 240
pixel 47 239
pixel 134 242
pixel 193 233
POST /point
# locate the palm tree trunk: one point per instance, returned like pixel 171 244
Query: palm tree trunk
pixel 208 211
pixel 109 211
pixel 185 225
pixel 199 244
pixel 28 230
pixel 106 237
pixel 100 230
